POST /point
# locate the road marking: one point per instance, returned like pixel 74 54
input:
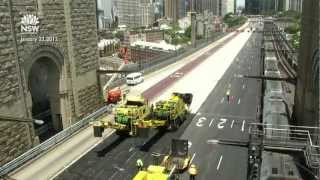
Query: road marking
pixel 232 123
pixel 118 168
pixel 222 100
pixel 243 86
pixel 131 149
pixel 113 175
pixel 212 141
pixel 130 157
pixel 194 155
pixel 211 122
pixel 239 101
pixel 243 122
pixel 200 121
pixel 219 162
pixel 222 121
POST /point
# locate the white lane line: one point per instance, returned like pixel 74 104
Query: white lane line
pixel 222 100
pixel 232 123
pixel 211 122
pixel 218 166
pixel 113 175
pixel 130 157
pixel 212 141
pixel 239 101
pixel 194 155
pixel 243 122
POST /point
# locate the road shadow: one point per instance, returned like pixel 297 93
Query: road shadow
pixel 154 139
pixel 162 132
pixel 108 148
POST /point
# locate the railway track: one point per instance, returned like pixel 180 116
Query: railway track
pixel 291 72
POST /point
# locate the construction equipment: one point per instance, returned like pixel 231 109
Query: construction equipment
pixel 178 157
pixel 176 162
pixel 114 95
pixel 152 173
pixel 134 113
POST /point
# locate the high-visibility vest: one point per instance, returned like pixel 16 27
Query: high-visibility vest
pixel 193 171
pixel 228 93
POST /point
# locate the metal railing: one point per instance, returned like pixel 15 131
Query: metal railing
pixel 54 140
pixel 288 137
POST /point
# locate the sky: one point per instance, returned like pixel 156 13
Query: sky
pixel 240 3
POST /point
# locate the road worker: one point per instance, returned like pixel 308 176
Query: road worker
pixel 139 164
pixel 192 172
pixel 228 95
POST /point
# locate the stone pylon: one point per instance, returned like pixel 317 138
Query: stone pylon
pixel 49 58
pixel 306 111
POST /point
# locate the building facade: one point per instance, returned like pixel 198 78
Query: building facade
pixel 296 5
pixel 50 57
pixel 171 9
pixel 272 6
pixel 134 13
pixel 253 6
pixel 225 7
pixel 147 14
pixel 200 6
pixel 105 13
pixel 182 8
pixel 158 8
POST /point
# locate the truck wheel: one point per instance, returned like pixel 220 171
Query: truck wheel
pixel 175 124
pixel 179 121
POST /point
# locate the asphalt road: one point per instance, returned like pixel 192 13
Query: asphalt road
pixel 218 119
pixel 115 158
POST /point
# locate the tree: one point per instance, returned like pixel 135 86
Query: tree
pixel 187 32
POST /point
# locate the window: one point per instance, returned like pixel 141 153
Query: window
pixel 291 173
pixel 274 171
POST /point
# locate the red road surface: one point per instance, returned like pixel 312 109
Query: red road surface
pixel 156 89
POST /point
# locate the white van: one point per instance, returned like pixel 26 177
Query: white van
pixel 134 78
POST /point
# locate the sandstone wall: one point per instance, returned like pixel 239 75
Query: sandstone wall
pixel 15 137
pixel 73 24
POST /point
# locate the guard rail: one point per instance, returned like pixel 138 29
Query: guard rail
pixel 54 140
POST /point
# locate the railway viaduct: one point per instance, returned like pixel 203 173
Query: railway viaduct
pixel 47 70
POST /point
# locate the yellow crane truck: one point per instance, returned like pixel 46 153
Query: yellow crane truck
pixel 135 113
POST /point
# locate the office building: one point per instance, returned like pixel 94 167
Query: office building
pixel 171 9
pixel 135 13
